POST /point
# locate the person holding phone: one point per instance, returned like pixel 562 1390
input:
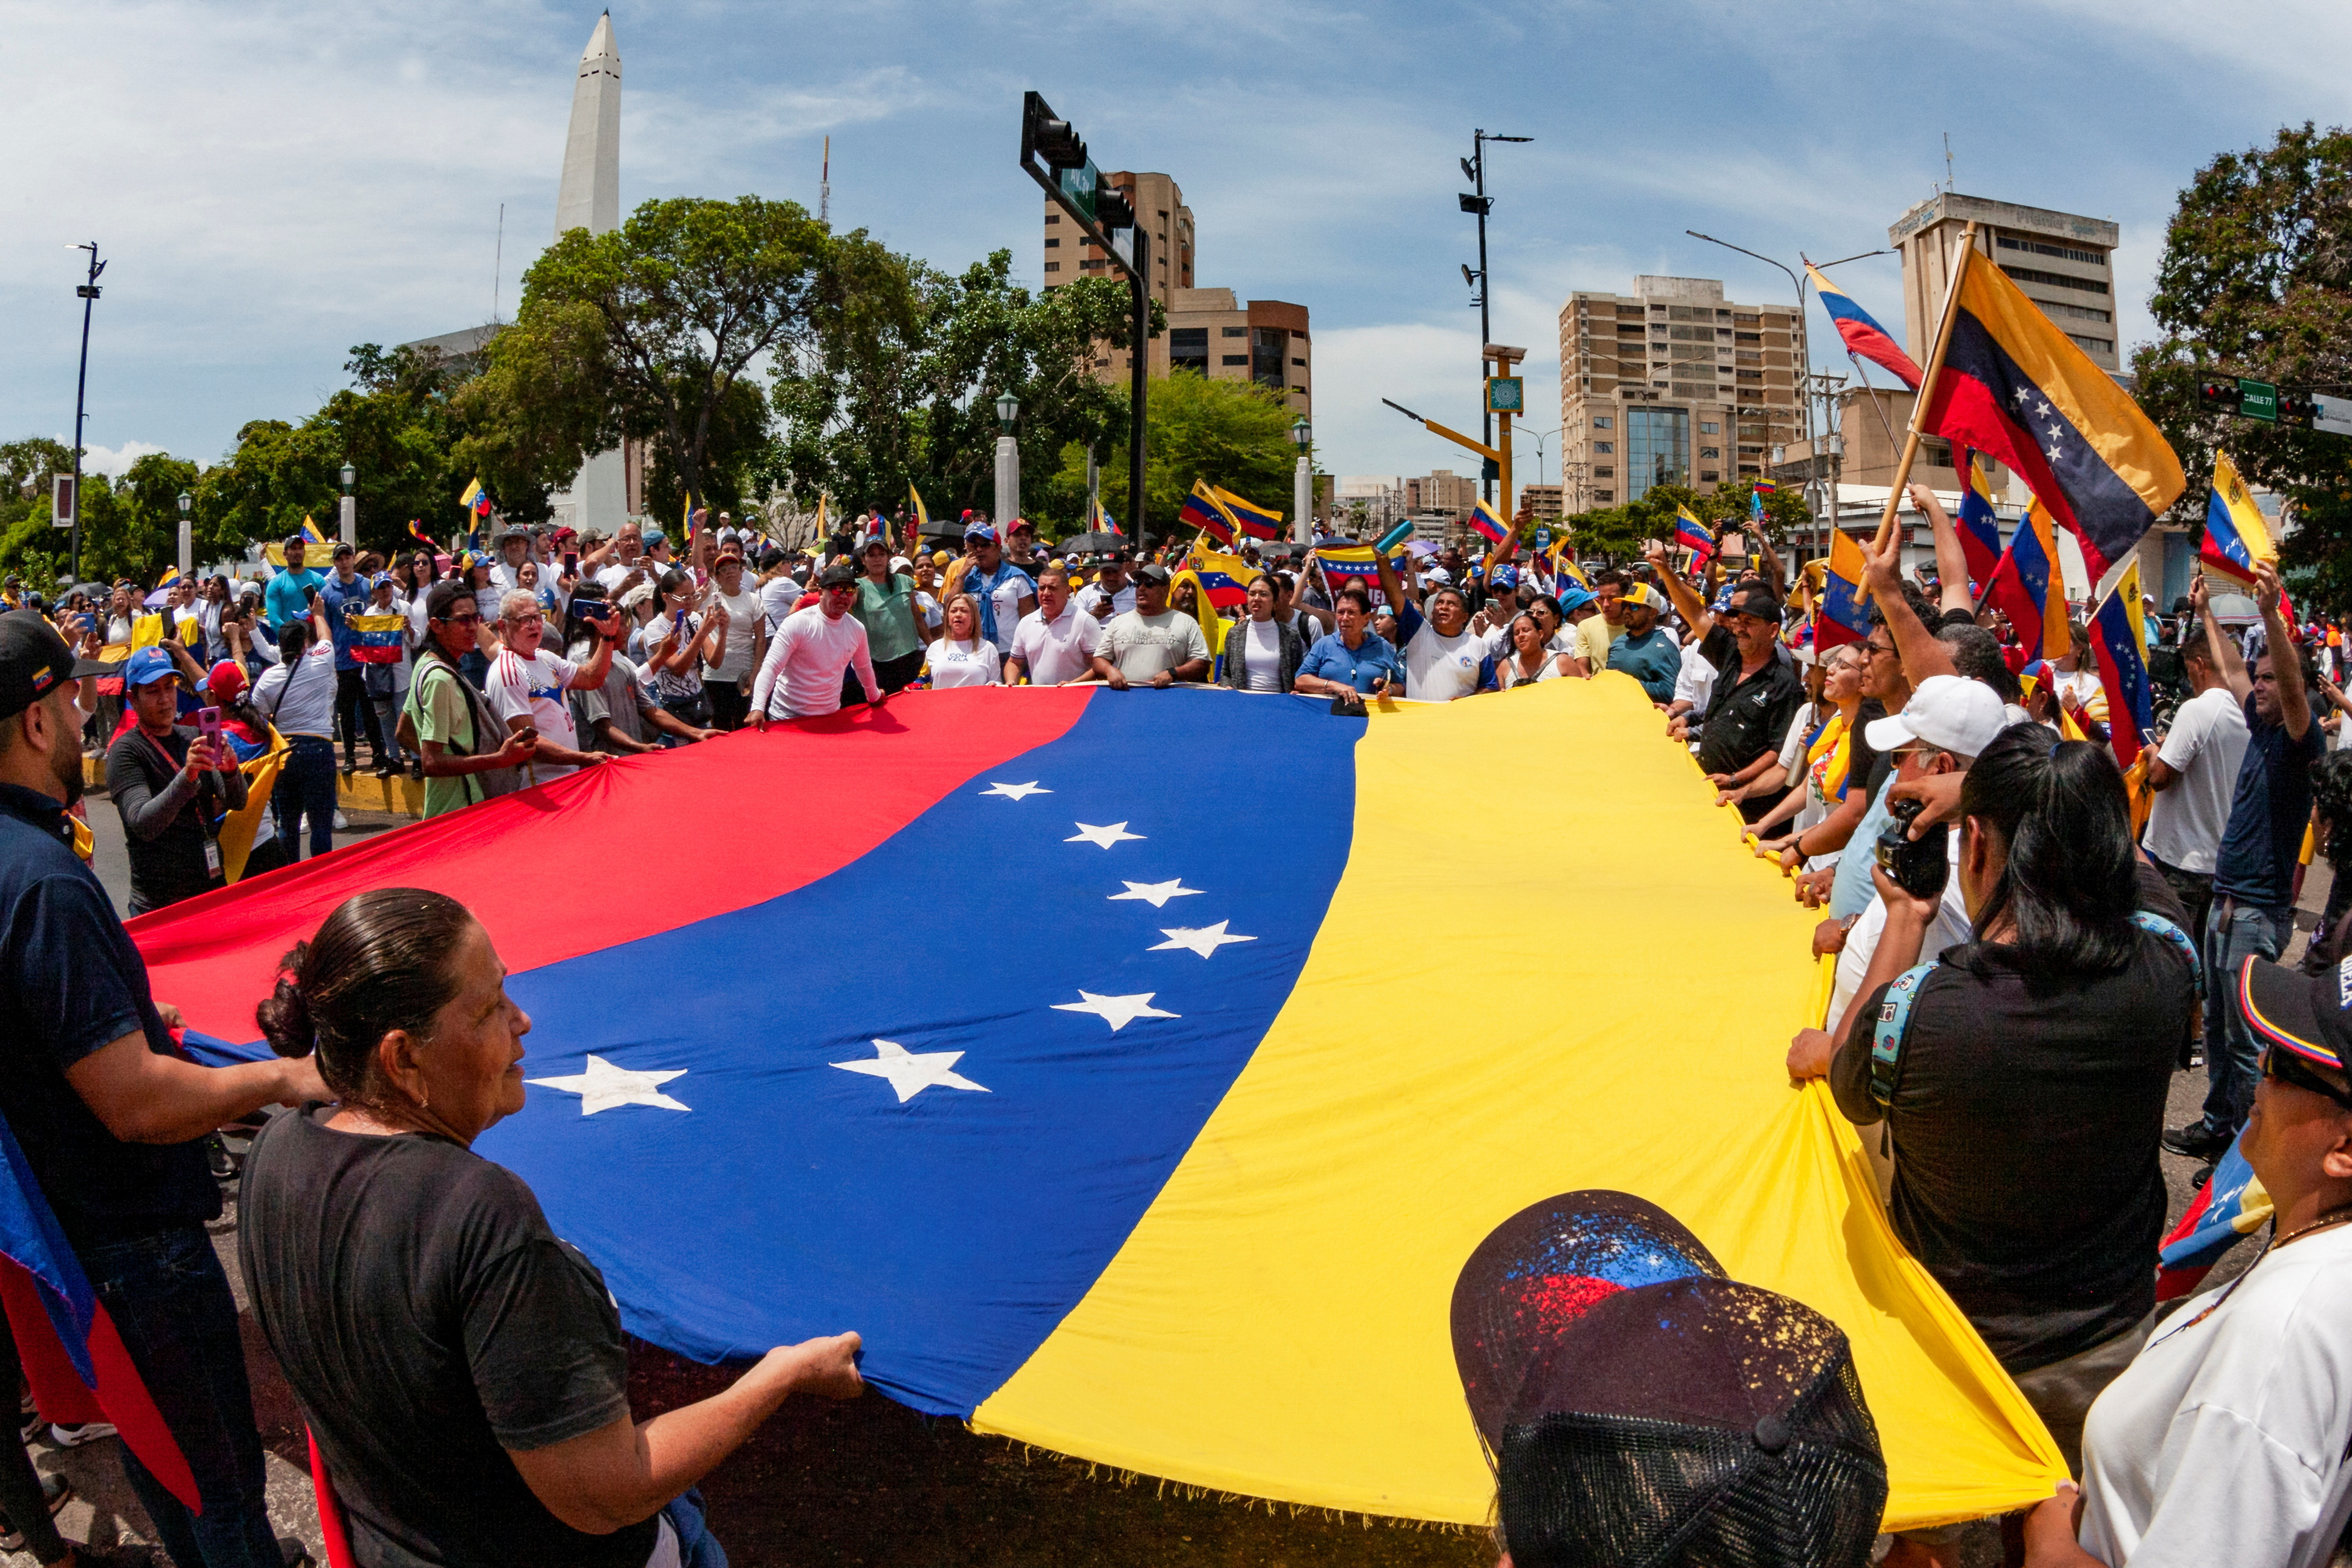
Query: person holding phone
pixel 527 684
pixel 170 784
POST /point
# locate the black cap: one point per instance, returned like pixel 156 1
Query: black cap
pixel 1759 603
pixel 2307 1015
pixel 840 574
pixel 1152 571
pixel 445 594
pixel 35 661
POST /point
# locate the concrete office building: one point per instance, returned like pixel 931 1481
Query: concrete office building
pixel 1543 501
pixel 1264 342
pixel 1671 384
pixel 2062 262
pixel 1161 211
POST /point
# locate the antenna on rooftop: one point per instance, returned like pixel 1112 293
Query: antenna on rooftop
pixel 824 185
pixel 1947 162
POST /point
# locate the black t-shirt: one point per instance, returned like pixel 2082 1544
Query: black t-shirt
pixel 71 983
pixel 429 1321
pixel 1867 768
pixel 2025 1122
pixel 2263 839
pixel 168 864
pixel 1747 715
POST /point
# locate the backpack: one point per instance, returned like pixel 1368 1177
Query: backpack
pixel 1893 1026
pixel 491 784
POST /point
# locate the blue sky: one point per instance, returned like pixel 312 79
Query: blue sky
pixel 274 183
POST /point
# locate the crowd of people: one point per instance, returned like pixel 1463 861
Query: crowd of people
pixel 2029 940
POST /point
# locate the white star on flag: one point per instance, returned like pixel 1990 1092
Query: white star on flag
pixel 1016 792
pixel 1088 832
pixel 1202 940
pixel 605 1086
pixel 911 1072
pixel 1119 1012
pixel 1156 894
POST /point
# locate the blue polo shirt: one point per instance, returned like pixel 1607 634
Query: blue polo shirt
pixel 286 601
pixel 342 602
pixel 72 981
pixel 1361 666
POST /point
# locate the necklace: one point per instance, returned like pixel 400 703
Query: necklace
pixel 2332 1216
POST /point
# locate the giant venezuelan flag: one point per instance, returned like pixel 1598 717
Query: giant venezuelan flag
pixel 1186 1188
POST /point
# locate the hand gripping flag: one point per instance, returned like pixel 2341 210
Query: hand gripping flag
pixel 1253 520
pixel 1865 338
pixel 1204 511
pixel 2237 536
pixel 1845 615
pixel 1695 536
pixel 1491 528
pixel 2119 644
pixel 377 638
pixel 2026 587
pixel 1167 1126
pixel 2012 384
pixel 1978 525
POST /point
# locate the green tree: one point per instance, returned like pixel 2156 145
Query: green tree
pixel 1232 434
pixel 2256 280
pixel 646 331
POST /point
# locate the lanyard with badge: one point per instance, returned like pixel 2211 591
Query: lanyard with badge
pixel 204 819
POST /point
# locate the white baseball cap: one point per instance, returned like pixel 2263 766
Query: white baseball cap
pixel 1950 713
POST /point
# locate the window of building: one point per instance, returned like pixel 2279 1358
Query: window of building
pixel 1657 448
pixel 1603 446
pixel 2064 253
pixel 1053 267
pixel 1604 495
pixel 1709 476
pixel 1744 318
pixel 1749 468
pixel 1709 427
pixel 1750 376
pixel 1233 332
pixel 1052 243
pixel 2053 279
pixel 2093 345
pixel 1188 349
pixel 1753 451
pixel 1267 347
pixel 1751 337
pixel 1052 219
pixel 1710 453
pixel 1604 471
pixel 1235 359
pixel 1300 363
pixel 2080 312
pixel 1602 421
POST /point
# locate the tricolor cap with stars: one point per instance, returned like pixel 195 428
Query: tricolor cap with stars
pixel 2309 1015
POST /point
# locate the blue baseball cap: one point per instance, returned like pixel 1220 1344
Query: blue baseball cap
pixel 146 666
pixel 1505 576
pixel 983 531
pixel 1573 598
pixel 652 537
pixel 1723 598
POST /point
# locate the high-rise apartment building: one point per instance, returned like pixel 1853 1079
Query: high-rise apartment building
pixel 1264 342
pixel 1160 212
pixel 2062 262
pixel 1671 384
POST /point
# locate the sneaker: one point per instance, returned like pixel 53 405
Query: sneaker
pixel 384 770
pixel 2196 1142
pixel 75 1436
pixel 339 823
pixel 56 1491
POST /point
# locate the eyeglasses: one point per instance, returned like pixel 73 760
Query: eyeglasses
pixel 528 620
pixel 2289 1069
pixel 1878 651
pixel 465 620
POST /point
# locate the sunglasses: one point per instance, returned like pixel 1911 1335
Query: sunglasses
pixel 466 620
pixel 841 588
pixel 2289 1069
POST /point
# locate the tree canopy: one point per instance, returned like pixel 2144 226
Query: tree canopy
pixel 2256 280
pixel 1232 434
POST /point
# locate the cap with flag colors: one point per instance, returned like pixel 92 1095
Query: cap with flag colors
pixel 2119 631
pixel 1844 615
pixel 2026 585
pixel 2012 384
pixel 1978 525
pixel 2237 537
pixel 1693 536
pixel 1253 520
pixel 1865 338
pixel 1204 511
pixel 1491 528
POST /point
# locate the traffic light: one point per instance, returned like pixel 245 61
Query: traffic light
pixel 2219 392
pixel 1112 209
pixel 2296 410
pixel 1054 140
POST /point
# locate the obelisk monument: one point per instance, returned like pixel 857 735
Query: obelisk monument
pixel 589 198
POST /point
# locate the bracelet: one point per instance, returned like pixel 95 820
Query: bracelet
pixel 1798 843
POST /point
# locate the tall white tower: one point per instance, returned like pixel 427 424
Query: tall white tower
pixel 589 198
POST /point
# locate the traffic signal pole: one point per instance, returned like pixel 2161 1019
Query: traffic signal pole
pixel 88 292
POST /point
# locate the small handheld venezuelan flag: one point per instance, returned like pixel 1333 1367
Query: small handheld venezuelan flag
pixel 1204 511
pixel 2027 588
pixel 1490 527
pixel 1252 518
pixel 2119 645
pixel 1978 525
pixel 1844 615
pixel 1693 536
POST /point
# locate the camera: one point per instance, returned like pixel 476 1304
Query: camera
pixel 1918 866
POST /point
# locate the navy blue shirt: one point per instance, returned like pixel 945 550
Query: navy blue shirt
pixel 70 984
pixel 2263 841
pixel 342 602
pixel 1361 667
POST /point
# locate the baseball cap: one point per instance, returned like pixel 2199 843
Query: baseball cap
pixel 653 536
pixel 1440 577
pixel 1757 603
pixel 1505 575
pixel 984 531
pixel 1152 571
pixel 293 539
pixel 1642 596
pixel 1573 598
pixel 2309 1015
pixel 146 666
pixel 1638 1406
pixel 225 680
pixel 34 660
pixel 840 574
pixel 1951 712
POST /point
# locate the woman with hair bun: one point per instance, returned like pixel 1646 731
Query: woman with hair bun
pixel 460 1365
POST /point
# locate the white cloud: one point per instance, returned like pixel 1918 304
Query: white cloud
pixel 113 460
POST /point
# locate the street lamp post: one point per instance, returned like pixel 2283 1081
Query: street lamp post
pixel 351 533
pixel 1480 202
pixel 1008 462
pixel 1539 437
pixel 88 292
pixel 187 553
pixel 1302 484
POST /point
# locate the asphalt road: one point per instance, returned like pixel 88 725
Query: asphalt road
pixel 873 1482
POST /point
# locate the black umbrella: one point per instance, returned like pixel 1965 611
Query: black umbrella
pixel 1092 543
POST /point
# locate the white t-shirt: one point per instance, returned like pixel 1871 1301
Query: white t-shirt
pixel 2225 1439
pixel 1439 669
pixel 534 689
pixel 299 698
pixel 2205 744
pixel 1950 928
pixel 1695 684
pixel 1142 646
pixel 673 685
pixel 801 677
pixel 777 597
pixel 951 663
pixel 1087 597
pixel 614 575
pixel 1506 669
pixel 744 613
pixel 1054 652
pixel 1262 659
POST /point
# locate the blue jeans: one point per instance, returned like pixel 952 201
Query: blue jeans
pixel 170 1299
pixel 2234 932
pixel 697 1547
pixel 306 787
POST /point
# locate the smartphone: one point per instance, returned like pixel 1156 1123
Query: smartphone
pixel 208 724
pixel 572 564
